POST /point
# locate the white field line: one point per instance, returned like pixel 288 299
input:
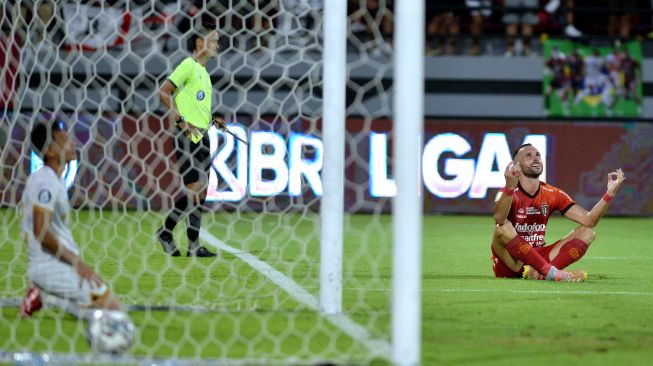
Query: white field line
pixel 377 347
pixel 603 258
pixel 554 292
pixel 508 291
pixel 53 358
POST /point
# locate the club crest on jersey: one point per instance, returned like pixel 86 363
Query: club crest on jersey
pixel 544 209
pixel 200 95
pixel 45 196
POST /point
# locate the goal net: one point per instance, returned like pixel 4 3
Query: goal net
pixel 98 66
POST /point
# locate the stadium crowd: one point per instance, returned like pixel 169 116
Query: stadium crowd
pixel 520 22
pixel 475 27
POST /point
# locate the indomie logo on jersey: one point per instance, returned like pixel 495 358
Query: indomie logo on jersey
pixel 529 228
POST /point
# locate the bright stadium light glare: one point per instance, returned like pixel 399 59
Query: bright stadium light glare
pixel 69 172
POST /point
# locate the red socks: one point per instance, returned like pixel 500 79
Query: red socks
pixel 571 252
pixel 520 249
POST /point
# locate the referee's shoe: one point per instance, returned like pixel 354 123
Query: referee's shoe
pixel 200 252
pixel 165 239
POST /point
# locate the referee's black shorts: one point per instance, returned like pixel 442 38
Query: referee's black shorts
pixel 193 159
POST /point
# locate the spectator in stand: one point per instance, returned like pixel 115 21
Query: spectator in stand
pixel 376 17
pixel 444 22
pixel 247 24
pixel 520 15
pixel 434 19
pixel 262 22
pixel 480 9
pixel 10 43
pixel 568 11
pixel 619 20
pixel 299 21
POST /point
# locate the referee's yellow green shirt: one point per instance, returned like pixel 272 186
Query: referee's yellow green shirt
pixel 193 93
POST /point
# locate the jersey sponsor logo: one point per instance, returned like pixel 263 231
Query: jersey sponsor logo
pixel 544 209
pixel 573 252
pixel 200 95
pixel 45 196
pixel 532 211
pixel 530 228
pixel 536 240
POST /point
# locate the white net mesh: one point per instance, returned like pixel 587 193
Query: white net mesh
pixel 98 66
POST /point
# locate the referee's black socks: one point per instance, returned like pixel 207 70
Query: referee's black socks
pixel 181 205
pixel 194 223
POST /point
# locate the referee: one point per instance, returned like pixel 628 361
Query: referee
pixel 186 94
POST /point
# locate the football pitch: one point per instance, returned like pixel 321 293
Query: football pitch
pixel 257 300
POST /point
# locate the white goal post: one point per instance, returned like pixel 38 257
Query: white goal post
pixel 407 205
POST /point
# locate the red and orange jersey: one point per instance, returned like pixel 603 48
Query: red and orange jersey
pixel 530 214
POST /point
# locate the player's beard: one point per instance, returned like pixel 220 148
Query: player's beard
pixel 532 172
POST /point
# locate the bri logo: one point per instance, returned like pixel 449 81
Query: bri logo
pixel 200 95
pixel 529 228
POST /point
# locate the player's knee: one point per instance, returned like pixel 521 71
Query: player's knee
pixel 505 232
pixel 586 234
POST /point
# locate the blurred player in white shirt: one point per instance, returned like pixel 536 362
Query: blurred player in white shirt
pixel 57 274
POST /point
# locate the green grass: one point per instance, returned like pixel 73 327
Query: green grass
pixel 468 316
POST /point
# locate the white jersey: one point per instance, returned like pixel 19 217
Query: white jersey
pixel 47 191
pixel 593 67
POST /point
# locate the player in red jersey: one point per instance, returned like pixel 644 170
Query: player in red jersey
pixel 522 212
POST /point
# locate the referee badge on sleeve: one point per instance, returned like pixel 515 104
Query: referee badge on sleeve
pixel 45 196
pixel 200 95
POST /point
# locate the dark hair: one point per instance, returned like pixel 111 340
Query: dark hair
pixel 42 134
pixel 199 28
pixel 514 153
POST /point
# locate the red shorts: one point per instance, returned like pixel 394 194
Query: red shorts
pixel 501 270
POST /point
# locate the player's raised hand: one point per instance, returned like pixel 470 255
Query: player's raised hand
pixel 615 180
pixel 512 174
pixel 87 274
pixel 219 123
